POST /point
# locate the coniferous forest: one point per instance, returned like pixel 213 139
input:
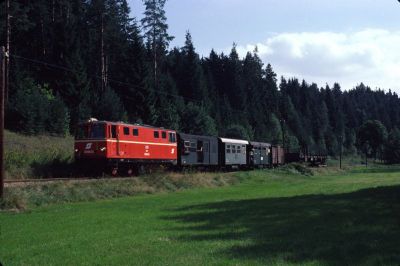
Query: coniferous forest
pixel 75 59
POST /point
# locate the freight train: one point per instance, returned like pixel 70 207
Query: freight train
pixel 122 149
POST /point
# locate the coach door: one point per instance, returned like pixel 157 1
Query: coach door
pixel 200 152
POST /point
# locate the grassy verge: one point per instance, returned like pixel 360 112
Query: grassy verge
pixel 38 156
pixel 269 218
pixel 23 197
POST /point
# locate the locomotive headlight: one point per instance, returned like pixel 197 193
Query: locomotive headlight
pixel 103 149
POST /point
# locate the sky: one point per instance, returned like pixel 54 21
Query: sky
pixel 344 41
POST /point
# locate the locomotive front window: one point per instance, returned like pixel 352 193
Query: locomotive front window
pixel 82 132
pixel 91 131
pixel 97 131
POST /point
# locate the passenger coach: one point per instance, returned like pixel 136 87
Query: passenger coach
pixel 195 150
pixel 233 152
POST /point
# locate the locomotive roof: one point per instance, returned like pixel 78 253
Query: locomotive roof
pixel 123 123
pixel 234 141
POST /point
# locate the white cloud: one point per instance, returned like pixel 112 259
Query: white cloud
pixel 371 56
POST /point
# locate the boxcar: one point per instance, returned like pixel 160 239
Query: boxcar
pixel 259 154
pixel 232 152
pixel 277 155
pixel 194 150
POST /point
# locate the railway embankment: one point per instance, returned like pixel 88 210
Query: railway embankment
pixel 40 156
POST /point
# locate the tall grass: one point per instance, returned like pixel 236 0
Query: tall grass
pixel 37 156
pixel 27 196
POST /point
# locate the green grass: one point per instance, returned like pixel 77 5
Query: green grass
pixel 37 156
pixel 27 196
pixel 270 218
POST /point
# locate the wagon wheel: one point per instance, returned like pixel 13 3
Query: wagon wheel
pixel 114 172
pixel 130 172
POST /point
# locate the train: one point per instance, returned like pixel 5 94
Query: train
pixel 120 148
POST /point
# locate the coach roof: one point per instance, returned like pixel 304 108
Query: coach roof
pixel 235 141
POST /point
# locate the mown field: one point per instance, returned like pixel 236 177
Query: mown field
pixel 270 218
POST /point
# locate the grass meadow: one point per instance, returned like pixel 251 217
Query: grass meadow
pixel 270 217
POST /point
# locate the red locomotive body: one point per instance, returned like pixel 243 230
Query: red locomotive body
pixel 124 145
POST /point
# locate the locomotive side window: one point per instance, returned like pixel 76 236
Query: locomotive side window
pixel 126 130
pixel 113 131
pixel 164 134
pixel 156 134
pixel 135 132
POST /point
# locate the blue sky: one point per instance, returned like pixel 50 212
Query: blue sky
pixel 347 41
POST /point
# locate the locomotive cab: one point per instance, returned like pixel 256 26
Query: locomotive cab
pixel 91 140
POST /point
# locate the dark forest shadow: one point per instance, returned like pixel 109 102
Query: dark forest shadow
pixel 346 229
pixel 56 168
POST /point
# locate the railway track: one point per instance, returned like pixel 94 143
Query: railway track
pixel 22 182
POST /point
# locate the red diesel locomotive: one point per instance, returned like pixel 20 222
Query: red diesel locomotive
pixel 123 147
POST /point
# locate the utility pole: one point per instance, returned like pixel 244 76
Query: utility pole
pixel 340 154
pixel 103 63
pixel 8 36
pixel 3 56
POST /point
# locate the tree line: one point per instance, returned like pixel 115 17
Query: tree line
pixel 75 59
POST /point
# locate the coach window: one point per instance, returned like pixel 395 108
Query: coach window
pixel 228 148
pixel 233 149
pixel 164 134
pixel 156 134
pixel 126 130
pixel 135 132
pixel 238 149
